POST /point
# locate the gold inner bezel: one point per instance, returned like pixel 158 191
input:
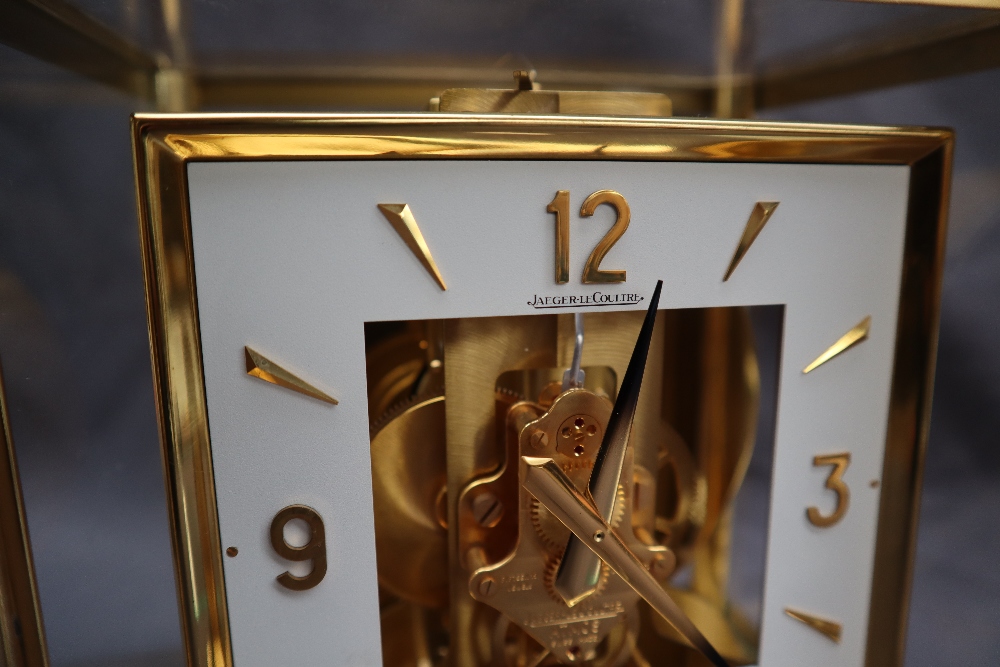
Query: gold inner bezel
pixel 164 144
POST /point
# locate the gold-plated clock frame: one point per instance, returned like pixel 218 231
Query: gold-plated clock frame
pixel 165 144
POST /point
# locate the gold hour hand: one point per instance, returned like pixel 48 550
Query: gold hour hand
pixel 580 570
pixel 556 492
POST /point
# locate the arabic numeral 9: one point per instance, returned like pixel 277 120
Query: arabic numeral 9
pixel 313 550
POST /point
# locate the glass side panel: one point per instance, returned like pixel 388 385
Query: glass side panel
pixel 784 28
pixel 314 39
pixel 76 364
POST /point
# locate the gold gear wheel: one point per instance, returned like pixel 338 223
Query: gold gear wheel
pixel 551 530
pixel 398 408
pixel 504 392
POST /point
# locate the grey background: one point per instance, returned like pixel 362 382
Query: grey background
pixel 73 329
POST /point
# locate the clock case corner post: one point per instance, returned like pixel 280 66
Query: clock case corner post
pixel 178 385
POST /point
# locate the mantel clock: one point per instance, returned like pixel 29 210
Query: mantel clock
pixel 481 389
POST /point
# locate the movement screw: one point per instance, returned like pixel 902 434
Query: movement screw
pixel 487 586
pixel 487 509
pixel 539 439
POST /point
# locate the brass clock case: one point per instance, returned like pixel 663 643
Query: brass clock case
pixel 476 351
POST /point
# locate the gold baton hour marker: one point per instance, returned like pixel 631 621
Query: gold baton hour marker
pixel 846 342
pixel 401 218
pixel 829 629
pixel 263 368
pixel 761 213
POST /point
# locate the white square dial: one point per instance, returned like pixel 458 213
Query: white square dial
pixel 289 258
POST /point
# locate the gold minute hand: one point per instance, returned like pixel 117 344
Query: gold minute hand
pixel 580 569
pixel 555 491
